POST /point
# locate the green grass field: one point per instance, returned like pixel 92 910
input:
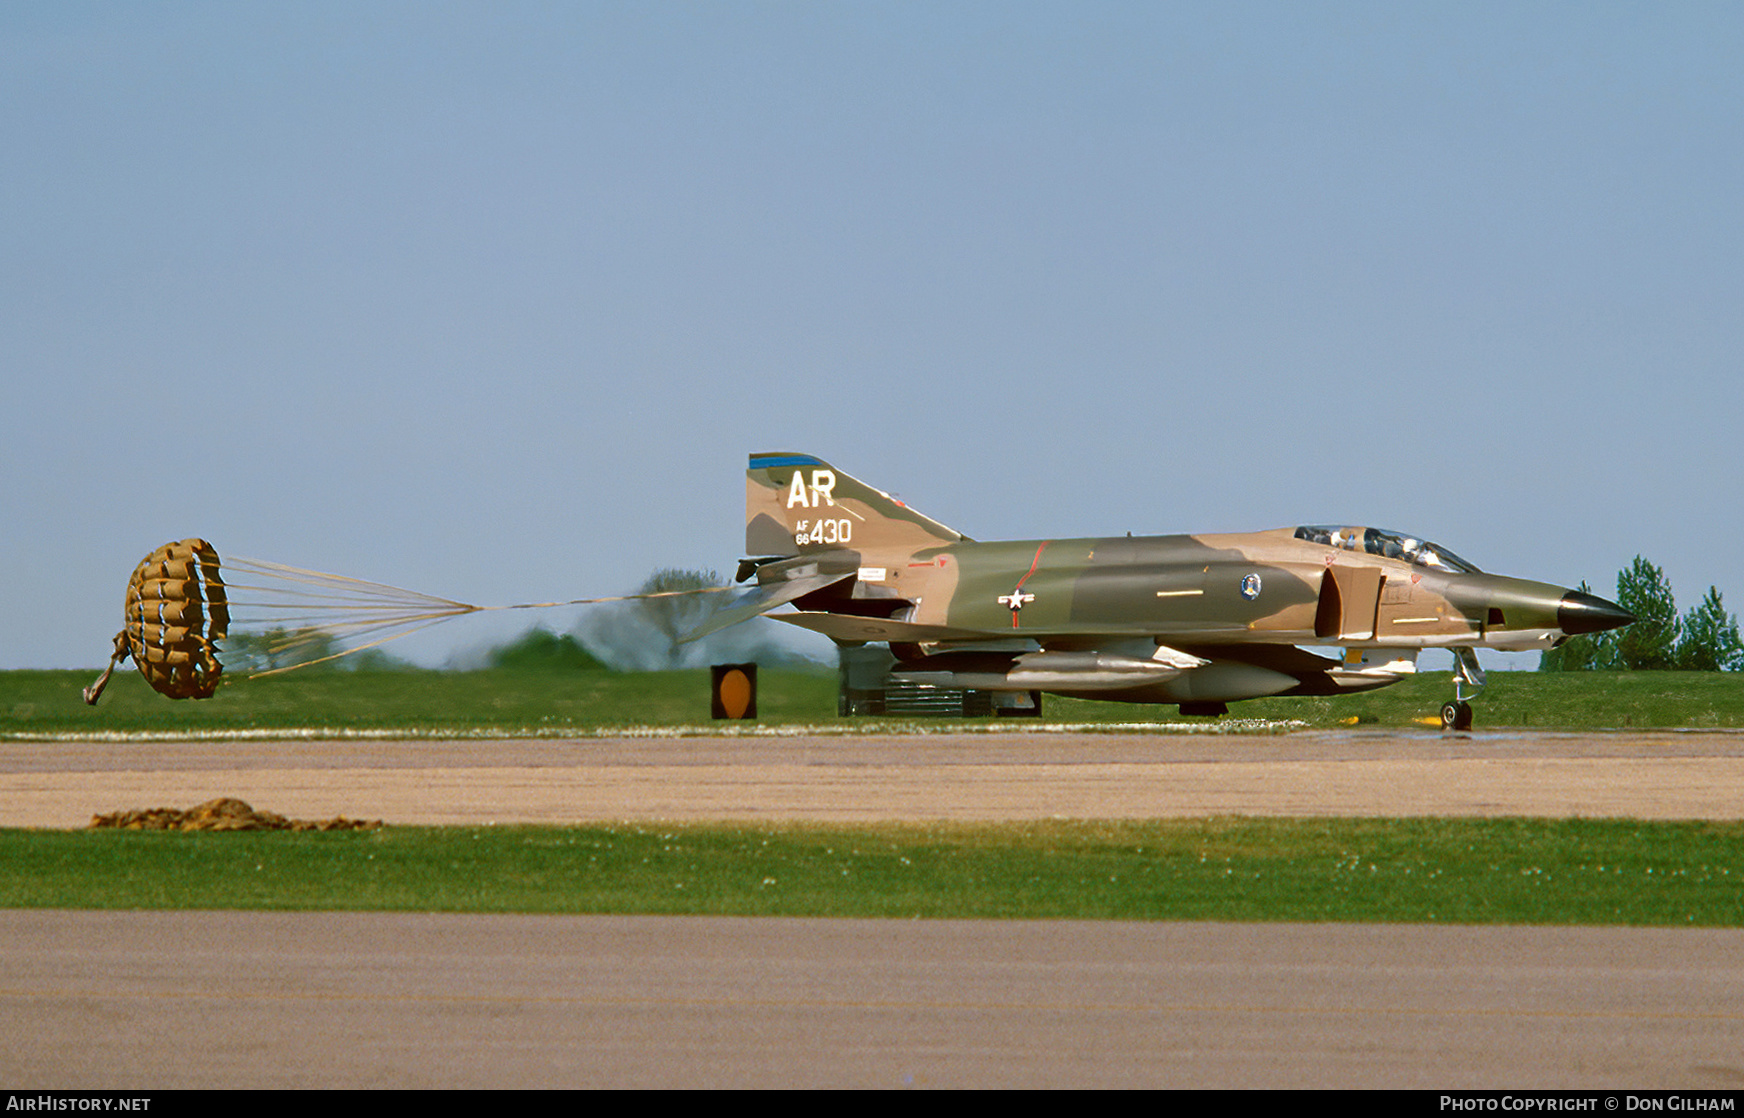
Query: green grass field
pixel 536 702
pixel 1492 871
pixel 410 702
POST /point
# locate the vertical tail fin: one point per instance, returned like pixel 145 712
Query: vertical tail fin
pixel 795 503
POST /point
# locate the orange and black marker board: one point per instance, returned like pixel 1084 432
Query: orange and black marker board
pixel 735 691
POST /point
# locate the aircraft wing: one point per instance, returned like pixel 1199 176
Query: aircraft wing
pixel 763 599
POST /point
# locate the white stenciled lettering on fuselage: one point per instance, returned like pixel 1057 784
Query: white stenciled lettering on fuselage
pixel 815 495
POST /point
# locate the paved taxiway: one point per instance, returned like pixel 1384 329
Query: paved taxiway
pixel 143 1000
pixel 867 778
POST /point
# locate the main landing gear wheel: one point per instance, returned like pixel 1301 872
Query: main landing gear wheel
pixel 1456 716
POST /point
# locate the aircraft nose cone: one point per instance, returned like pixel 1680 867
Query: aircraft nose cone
pixel 1589 613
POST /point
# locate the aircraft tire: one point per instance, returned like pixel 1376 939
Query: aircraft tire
pixel 1456 716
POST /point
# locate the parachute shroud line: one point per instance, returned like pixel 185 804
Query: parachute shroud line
pixel 179 608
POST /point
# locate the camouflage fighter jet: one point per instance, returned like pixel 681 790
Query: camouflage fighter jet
pixel 1200 621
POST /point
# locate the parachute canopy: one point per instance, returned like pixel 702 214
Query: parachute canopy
pixel 177 612
pixel 179 608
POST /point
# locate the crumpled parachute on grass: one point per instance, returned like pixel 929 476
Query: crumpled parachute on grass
pixel 223 814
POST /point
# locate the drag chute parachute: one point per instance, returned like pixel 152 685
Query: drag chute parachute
pixel 177 612
pixel 180 606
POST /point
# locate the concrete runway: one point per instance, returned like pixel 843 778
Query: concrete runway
pixel 158 1000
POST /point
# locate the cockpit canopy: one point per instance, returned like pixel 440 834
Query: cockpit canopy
pixel 1388 544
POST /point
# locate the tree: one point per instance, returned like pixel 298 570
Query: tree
pixel 264 651
pixel 1710 641
pixel 542 650
pixel 674 616
pixel 252 651
pixel 1651 642
pixel 1706 639
pixel 643 634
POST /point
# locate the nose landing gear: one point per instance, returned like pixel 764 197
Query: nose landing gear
pixel 1467 673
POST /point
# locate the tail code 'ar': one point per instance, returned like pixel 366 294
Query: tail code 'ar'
pixel 795 503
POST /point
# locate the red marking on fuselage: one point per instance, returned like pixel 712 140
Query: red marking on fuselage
pixel 1033 564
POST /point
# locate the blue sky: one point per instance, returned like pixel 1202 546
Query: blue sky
pixel 492 300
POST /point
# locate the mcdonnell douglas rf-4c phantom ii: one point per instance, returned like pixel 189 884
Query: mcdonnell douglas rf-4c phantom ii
pixel 1200 620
